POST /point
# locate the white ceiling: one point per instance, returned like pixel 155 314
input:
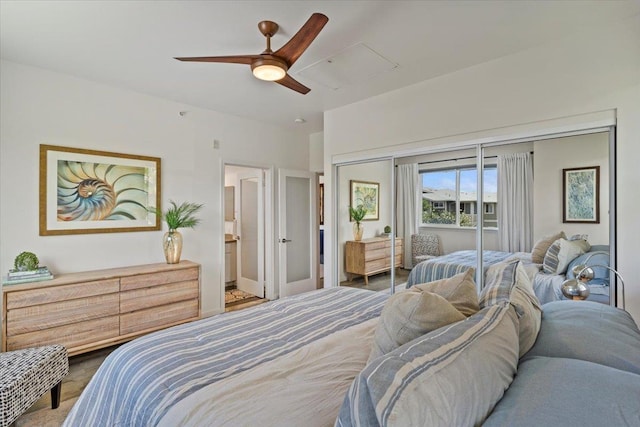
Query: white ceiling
pixel 131 44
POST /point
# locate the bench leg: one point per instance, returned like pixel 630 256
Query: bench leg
pixel 55 395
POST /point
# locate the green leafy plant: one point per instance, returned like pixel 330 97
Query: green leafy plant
pixel 26 261
pixel 358 213
pixel 181 216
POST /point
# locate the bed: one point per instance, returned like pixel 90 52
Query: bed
pixel 451 264
pixel 548 287
pixel 298 354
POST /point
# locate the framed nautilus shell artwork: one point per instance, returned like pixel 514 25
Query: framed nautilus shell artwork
pixel 90 191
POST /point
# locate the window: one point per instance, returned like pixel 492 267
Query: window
pixel 449 196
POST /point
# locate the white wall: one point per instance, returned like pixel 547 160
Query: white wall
pixel 596 70
pixel 553 155
pixel 43 107
pixel 316 152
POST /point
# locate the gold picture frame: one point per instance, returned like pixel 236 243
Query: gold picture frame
pixel 366 193
pixel 90 191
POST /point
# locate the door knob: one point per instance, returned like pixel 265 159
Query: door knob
pixel 284 240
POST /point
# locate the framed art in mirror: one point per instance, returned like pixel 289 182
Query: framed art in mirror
pixel 581 195
pixel 366 194
pixel 89 191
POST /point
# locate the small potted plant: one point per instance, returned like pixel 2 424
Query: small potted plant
pixel 26 261
pixel 178 216
pixel 357 214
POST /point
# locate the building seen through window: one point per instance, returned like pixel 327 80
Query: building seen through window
pixel 450 196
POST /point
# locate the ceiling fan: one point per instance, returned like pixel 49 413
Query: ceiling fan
pixel 270 65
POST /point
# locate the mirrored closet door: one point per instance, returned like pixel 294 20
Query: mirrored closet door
pixel 547 201
pixel 445 240
pixel 370 254
pixel 553 209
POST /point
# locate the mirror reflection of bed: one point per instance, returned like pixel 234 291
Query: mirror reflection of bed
pixel 449 187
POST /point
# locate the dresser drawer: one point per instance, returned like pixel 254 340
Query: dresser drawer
pixel 378 244
pixel 46 316
pixel 70 336
pixel 138 299
pixel 377 265
pixel 378 254
pixel 158 317
pixel 46 295
pixel 160 278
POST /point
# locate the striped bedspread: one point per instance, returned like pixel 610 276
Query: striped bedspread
pixel 451 264
pixel 140 381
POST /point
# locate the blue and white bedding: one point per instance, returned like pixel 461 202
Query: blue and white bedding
pixel 548 287
pixel 451 264
pixel 140 382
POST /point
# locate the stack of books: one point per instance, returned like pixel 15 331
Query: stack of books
pixel 16 276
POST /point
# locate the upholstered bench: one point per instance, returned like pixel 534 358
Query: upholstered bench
pixel 26 375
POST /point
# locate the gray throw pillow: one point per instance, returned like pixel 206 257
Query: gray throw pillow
pixel 408 315
pixel 459 290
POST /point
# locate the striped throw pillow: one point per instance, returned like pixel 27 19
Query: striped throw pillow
pixel 542 246
pixel 499 282
pixel 561 253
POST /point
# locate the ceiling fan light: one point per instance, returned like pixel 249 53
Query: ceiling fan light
pixel 269 72
pixel 269 69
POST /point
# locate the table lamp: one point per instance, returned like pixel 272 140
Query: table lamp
pixel 577 288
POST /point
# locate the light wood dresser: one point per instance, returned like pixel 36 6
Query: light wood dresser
pixel 94 309
pixel 371 256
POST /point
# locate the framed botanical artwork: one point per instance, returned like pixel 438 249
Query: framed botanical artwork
pixel 366 194
pixel 581 195
pixel 90 191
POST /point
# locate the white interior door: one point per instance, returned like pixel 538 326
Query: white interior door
pixel 297 232
pixel 251 233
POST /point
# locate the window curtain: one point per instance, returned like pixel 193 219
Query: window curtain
pixel 408 193
pixel 515 202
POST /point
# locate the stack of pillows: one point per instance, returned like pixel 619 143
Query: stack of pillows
pixel 426 307
pixel 555 252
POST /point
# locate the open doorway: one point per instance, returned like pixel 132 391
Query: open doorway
pixel 244 230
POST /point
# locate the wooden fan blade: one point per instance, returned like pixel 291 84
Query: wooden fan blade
pixel 291 83
pixel 295 47
pixel 234 59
